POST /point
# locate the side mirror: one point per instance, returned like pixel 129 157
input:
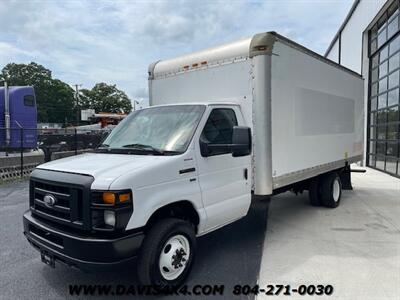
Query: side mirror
pixel 204 148
pixel 207 149
pixel 241 144
pixel 241 141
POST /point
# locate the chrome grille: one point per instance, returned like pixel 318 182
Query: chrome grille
pixel 67 208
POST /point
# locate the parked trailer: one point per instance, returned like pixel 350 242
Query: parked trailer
pixel 18 110
pixel 256 117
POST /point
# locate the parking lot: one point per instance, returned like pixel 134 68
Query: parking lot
pixel 355 247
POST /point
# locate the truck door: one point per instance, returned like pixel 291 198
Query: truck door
pixel 225 181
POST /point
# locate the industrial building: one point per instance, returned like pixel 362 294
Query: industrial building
pixel 368 42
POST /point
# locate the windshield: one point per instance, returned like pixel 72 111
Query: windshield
pixel 156 129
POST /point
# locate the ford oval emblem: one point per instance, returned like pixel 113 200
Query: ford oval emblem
pixel 49 200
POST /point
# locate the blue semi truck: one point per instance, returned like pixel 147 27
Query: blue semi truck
pixel 18 117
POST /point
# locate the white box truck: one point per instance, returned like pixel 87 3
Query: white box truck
pixel 258 117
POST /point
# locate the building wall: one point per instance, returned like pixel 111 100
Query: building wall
pixel 368 42
pixel 351 35
pixel 334 52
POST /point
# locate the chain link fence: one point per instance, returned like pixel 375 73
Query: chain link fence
pixel 22 149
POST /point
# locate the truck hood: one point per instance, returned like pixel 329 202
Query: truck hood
pixel 105 168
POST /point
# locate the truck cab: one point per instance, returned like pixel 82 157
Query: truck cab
pixel 18 111
pixel 165 175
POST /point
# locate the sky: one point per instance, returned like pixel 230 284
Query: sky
pixel 85 42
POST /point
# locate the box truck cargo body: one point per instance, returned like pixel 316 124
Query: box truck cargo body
pixel 256 117
pixel 305 111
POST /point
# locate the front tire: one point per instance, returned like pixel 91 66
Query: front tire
pixel 331 190
pixel 167 253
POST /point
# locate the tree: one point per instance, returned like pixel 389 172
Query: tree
pixel 105 98
pixel 54 98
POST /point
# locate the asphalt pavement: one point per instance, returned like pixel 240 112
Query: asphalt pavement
pixel 229 256
pixel 355 247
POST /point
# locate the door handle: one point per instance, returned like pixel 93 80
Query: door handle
pixel 245 173
pixel 189 170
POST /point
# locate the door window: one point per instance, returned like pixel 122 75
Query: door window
pixel 219 128
pixel 29 100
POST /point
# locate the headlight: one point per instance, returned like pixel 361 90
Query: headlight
pixel 111 210
pixel 109 217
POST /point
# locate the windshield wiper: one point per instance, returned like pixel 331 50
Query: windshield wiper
pixel 103 146
pixel 138 146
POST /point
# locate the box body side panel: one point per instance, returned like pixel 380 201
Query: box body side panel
pixel 317 113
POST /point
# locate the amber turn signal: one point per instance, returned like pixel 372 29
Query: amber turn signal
pixel 124 197
pixel 108 198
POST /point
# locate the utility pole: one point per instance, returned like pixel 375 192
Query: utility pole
pixel 77 102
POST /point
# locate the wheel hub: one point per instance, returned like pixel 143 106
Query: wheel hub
pixel 336 190
pixel 174 257
pixel 178 258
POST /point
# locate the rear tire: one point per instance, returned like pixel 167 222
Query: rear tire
pixel 314 193
pixel 331 191
pixel 167 253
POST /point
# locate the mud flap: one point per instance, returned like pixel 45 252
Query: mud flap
pixel 345 178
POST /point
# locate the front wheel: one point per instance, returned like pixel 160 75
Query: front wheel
pixel 331 190
pixel 167 253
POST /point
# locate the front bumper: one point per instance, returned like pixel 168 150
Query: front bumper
pixel 86 253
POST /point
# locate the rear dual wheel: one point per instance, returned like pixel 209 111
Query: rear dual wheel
pixel 331 190
pixel 326 190
pixel 314 192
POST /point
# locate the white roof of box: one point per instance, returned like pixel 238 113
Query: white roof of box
pixel 258 44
